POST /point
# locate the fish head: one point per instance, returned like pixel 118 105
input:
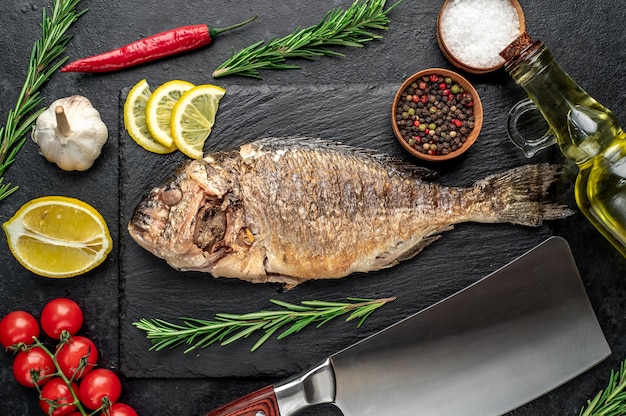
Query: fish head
pixel 150 217
pixel 181 222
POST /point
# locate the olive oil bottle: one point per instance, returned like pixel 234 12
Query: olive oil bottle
pixel 585 131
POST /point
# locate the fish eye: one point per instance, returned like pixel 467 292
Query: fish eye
pixel 172 196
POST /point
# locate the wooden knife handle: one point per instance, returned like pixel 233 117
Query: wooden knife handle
pixel 262 402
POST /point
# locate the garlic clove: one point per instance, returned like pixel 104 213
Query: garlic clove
pixel 70 133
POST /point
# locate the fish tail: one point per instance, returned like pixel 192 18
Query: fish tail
pixel 520 196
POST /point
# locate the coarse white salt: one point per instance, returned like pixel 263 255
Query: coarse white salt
pixel 475 31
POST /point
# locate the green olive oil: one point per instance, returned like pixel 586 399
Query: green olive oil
pixel 586 133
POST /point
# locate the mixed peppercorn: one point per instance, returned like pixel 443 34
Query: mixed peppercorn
pixel 435 115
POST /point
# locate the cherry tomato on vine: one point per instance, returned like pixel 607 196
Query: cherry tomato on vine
pixel 97 385
pixel 121 409
pixel 61 314
pixel 77 357
pixel 32 359
pixel 57 391
pixel 16 327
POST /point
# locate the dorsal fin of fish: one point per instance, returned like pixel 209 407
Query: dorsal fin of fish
pixel 323 145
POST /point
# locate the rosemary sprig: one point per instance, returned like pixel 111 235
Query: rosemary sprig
pixel 351 27
pixel 227 328
pixel 42 64
pixel 612 400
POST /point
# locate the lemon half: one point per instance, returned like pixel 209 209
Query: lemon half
pixel 135 119
pixel 57 236
pixel 193 118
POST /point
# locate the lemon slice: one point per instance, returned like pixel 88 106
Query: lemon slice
pixel 159 109
pixel 56 236
pixel 193 118
pixel 135 119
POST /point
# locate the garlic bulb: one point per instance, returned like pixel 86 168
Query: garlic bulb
pixel 70 133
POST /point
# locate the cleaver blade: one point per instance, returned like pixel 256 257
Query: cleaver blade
pixel 497 344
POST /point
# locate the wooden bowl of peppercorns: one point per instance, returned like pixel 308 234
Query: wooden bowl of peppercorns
pixel 436 114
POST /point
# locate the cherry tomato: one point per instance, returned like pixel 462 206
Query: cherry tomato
pixel 97 385
pixel 79 353
pixel 32 359
pixel 16 327
pixel 57 391
pixel 121 409
pixel 61 314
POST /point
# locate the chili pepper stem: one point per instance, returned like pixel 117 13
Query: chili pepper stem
pixel 217 31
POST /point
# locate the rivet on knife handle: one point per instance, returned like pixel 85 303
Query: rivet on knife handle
pixel 259 403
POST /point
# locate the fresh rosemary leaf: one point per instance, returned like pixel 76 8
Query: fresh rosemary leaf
pixel 43 63
pixel 324 304
pixel 612 400
pixel 290 306
pixel 268 334
pixel 297 326
pixel 349 28
pixel 227 328
pixel 243 333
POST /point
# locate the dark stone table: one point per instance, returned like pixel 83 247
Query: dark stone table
pixel 345 99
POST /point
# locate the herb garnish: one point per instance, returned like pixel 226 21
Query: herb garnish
pixel 42 64
pixel 612 400
pixel 351 27
pixel 227 328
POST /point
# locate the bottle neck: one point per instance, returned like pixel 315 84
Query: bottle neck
pixel 529 62
pixel 555 94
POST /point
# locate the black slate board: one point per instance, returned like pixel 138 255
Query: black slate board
pixel 355 114
pixel 593 53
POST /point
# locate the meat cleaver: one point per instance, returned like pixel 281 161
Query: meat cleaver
pixel 486 350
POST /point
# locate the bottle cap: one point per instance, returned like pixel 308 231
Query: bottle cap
pixel 516 47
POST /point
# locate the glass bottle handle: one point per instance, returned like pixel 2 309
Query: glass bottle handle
pixel 528 146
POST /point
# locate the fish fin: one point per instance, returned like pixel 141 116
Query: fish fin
pixel 384 261
pixel 322 145
pixel 520 196
pixel 416 249
pixel 287 282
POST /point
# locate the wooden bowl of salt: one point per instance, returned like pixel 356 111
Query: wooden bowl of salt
pixel 472 33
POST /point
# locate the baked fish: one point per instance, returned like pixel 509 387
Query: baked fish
pixel 293 209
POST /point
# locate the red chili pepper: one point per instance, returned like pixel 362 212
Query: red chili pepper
pixel 161 45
